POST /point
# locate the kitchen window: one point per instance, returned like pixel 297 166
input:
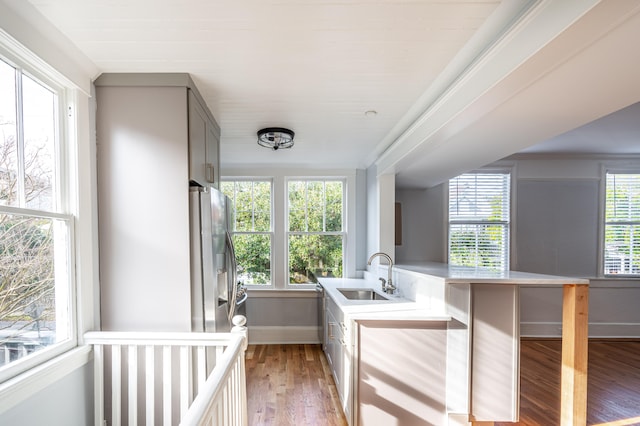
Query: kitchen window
pixel 622 224
pixel 36 224
pixel 315 236
pixel 479 220
pixel 310 215
pixel 251 229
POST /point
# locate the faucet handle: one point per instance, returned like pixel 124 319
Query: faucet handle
pixel 383 282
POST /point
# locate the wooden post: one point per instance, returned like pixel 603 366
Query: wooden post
pixel 575 326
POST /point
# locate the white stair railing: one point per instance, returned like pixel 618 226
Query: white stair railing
pixel 169 378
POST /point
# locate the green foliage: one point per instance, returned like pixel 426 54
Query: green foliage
pixel 314 255
pixel 315 207
pixel 251 224
pixel 315 222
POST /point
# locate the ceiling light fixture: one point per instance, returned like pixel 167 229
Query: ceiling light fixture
pixel 275 138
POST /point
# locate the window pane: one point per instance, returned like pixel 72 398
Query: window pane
pixel 297 206
pixel 262 206
pixel 8 143
pixel 311 256
pixel 334 193
pixel 252 212
pixel 622 249
pixel 39 111
pixel 315 206
pixel 478 245
pixel 253 255
pixel 479 196
pixel 34 311
pixel 623 197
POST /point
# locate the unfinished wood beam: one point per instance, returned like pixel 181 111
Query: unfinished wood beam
pixel 575 327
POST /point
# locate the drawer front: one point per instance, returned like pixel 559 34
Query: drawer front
pixel 335 311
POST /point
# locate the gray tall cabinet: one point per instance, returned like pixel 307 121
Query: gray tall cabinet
pixel 155 137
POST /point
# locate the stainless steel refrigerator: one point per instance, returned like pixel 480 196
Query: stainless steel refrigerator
pixel 213 263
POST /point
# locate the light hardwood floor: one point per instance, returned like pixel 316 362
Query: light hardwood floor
pixel 292 385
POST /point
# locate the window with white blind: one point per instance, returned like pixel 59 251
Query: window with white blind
pixel 622 224
pixel 479 217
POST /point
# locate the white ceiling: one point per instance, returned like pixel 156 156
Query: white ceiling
pixel 444 77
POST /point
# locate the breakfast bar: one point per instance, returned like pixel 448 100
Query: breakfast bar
pixel 477 310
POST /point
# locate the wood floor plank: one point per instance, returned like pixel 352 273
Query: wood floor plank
pixel 613 388
pixel 291 385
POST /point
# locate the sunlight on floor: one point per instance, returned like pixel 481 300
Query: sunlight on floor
pixel 623 422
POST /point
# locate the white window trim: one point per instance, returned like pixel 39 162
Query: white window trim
pixel 602 222
pixel 280 177
pixel 43 368
pixel 271 232
pixel 287 233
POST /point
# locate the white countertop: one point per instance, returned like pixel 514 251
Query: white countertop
pixel 464 274
pixel 396 308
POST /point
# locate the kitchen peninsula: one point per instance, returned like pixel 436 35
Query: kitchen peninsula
pixel 447 341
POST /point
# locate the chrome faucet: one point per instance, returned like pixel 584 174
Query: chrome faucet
pixel 387 286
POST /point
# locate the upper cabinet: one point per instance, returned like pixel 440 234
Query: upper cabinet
pixel 204 144
pixel 201 141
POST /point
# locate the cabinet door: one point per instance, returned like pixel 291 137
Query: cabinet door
pixel 204 144
pixel 212 154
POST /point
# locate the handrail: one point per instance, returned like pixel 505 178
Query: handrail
pixel 221 396
pixel 201 408
pixel 152 338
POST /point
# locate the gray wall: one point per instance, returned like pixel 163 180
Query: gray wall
pixel 555 230
pixel 423 220
pixel 67 402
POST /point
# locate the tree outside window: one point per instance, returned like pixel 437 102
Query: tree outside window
pixel 315 234
pixel 251 230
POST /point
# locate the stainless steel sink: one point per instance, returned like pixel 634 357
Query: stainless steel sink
pixel 361 294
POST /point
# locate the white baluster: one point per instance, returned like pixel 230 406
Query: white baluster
pixel 116 385
pixel 132 371
pixel 150 371
pixel 166 385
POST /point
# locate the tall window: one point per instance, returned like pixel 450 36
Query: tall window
pixel 315 229
pixel 622 224
pixel 252 229
pixel 35 224
pixel 479 217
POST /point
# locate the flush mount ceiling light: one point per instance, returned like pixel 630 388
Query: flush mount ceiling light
pixel 275 138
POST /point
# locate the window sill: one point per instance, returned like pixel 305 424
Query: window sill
pixel 280 293
pixel 25 385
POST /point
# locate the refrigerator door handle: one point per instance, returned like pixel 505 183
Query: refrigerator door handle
pixel 234 275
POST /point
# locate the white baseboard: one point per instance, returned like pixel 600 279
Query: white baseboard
pixel 263 335
pixel 596 330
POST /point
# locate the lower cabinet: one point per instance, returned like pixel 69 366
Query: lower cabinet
pixel 338 351
pixel 401 373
